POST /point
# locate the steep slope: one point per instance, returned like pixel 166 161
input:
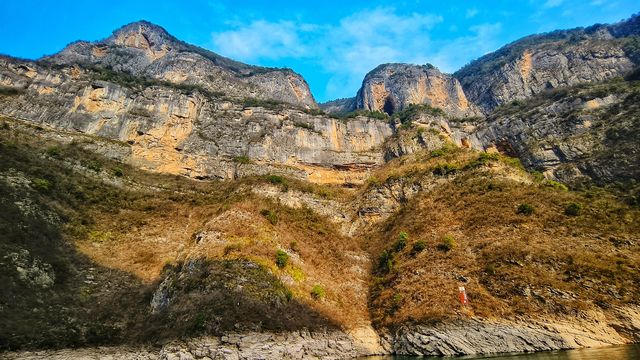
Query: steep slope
pixel 143 49
pixel 390 88
pixel 108 254
pixel 187 129
pixel 557 59
pixel 529 253
pixel 579 134
pixel 339 106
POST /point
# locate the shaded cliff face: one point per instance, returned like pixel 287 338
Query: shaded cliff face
pixel 145 49
pixel 584 133
pixel 191 131
pixel 339 106
pixel 557 59
pixel 392 87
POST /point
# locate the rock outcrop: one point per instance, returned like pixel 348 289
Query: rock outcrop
pixel 541 62
pixel 581 134
pixel 490 337
pixel 142 49
pixel 390 88
pixel 191 131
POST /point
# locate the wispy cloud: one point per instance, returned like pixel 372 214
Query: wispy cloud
pixel 262 40
pixel 552 4
pixel 471 13
pixel 355 44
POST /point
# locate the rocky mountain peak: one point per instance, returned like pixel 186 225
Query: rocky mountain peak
pixel 559 58
pixel 148 50
pixel 143 35
pixel 391 87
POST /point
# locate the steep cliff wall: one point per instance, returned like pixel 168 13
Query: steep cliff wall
pixel 392 87
pixel 191 131
pixel 541 62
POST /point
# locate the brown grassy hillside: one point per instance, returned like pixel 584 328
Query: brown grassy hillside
pixel 97 237
pixel 519 244
pixel 98 252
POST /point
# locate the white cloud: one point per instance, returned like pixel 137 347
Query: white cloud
pixel 552 3
pixel 355 45
pixel 452 55
pixel 261 39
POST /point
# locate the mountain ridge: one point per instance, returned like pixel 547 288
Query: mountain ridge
pixel 175 207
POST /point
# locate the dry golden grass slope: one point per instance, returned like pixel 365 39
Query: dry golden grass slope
pixel 521 245
pixel 87 242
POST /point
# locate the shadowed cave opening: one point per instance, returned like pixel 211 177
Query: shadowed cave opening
pixel 389 106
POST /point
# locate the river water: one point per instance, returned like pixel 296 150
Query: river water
pixel 626 352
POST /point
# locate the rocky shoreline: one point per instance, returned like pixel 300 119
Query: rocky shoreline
pixel 468 337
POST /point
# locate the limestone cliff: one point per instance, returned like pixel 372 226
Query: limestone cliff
pixel 189 130
pixel 583 133
pixel 541 62
pixel 392 87
pixel 143 49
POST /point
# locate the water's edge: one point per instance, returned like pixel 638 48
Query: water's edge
pixel 468 337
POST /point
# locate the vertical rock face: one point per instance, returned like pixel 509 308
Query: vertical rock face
pixel 147 50
pixel 192 132
pixel 391 87
pixel 542 62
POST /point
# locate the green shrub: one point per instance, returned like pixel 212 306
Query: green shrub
pixel 385 262
pixel 483 159
pixel 418 246
pixel 288 294
pixel 314 112
pixel 53 151
pixel 94 165
pixel 267 104
pixel 445 169
pixel 199 322
pixel 9 91
pixel 557 185
pixel 294 246
pixel 242 160
pixel 139 111
pixel 573 209
pixel 41 185
pixel 437 153
pixel 490 269
pixel 513 162
pixel 402 241
pixel 317 292
pixel 270 215
pixel 276 179
pixel 412 111
pixel 448 243
pixel 303 125
pixel 525 209
pixel 374 181
pixel 118 172
pixel 282 258
pixel 537 176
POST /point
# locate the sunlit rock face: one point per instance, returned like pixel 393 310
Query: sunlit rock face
pixel 390 88
pixel 193 132
pixel 538 63
pixel 145 49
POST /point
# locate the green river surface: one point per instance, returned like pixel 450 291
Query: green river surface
pixel 626 352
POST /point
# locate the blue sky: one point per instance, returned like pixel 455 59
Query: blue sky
pixel 333 44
